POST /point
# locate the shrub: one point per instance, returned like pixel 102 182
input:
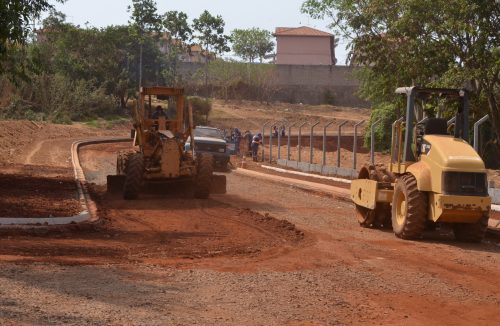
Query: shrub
pixel 201 109
pixel 386 112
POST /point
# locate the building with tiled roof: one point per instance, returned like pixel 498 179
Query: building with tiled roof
pixel 304 46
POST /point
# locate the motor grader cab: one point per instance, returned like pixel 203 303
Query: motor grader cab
pixel 159 154
pixel 433 177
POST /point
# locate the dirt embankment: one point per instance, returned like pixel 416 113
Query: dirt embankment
pixel 248 115
pixel 37 191
pixel 36 175
pixel 43 143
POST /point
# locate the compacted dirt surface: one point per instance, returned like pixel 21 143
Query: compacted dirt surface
pixel 262 254
pixel 37 191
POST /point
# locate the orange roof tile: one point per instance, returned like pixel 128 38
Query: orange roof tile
pixel 300 31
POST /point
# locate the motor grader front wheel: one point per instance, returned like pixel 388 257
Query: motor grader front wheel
pixel 381 215
pixel 203 179
pixel 409 208
pixel 134 174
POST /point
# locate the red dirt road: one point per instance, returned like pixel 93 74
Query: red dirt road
pixel 168 259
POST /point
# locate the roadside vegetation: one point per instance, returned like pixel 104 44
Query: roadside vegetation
pixel 434 43
pixel 61 72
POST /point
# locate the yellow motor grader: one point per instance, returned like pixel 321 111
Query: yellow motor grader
pixel 433 177
pixel 159 154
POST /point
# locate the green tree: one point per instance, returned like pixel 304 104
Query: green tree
pixel 448 43
pixel 15 19
pixel 179 33
pixel 144 22
pixel 176 24
pixel 252 43
pixel 210 34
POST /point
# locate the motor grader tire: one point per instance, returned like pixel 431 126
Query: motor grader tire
pixel 134 176
pixel 381 215
pixel 474 232
pixel 409 208
pixel 203 179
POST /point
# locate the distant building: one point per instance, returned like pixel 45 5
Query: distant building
pixel 188 53
pixel 304 46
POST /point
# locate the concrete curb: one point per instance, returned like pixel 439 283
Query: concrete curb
pixel 89 208
pixel 307 185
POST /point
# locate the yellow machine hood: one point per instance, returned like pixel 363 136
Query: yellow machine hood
pixel 451 153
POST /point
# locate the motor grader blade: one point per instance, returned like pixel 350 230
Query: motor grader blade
pixel 218 184
pixel 115 183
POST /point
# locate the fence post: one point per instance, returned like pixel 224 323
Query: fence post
pixel 263 137
pixel 271 143
pixel 311 135
pixel 324 141
pixel 476 131
pixel 355 145
pixel 279 142
pixel 339 135
pixel 372 141
pixel 299 141
pixel 289 140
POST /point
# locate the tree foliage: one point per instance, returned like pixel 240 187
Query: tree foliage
pixel 86 72
pixel 15 19
pixel 179 34
pixel 252 43
pixel 176 24
pixel 209 31
pixel 144 17
pixel 447 43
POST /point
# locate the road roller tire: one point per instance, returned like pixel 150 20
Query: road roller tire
pixel 381 215
pixel 409 208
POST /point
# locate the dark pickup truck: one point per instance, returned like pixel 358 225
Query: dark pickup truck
pixel 210 140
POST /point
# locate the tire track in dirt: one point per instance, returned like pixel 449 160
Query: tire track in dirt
pixel 34 151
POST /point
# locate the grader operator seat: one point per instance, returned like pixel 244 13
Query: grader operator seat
pixel 436 126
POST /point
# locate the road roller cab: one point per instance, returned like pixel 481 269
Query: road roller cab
pixel 433 177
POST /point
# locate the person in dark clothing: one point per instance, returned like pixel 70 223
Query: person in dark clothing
pixel 275 131
pixel 159 112
pixel 248 141
pixel 237 140
pixel 256 141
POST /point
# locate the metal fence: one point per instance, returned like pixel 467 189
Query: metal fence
pixel 325 167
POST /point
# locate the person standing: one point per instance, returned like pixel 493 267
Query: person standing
pixel 248 142
pixel 237 140
pixel 256 141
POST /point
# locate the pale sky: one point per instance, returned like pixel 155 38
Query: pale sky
pixel 266 14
